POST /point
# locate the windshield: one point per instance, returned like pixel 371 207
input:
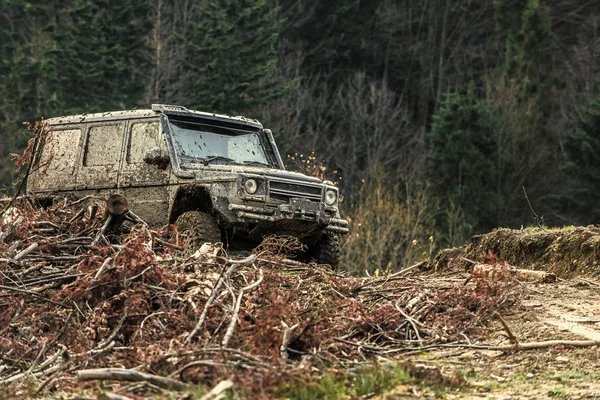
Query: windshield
pixel 198 143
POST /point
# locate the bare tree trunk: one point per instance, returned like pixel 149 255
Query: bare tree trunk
pixel 443 34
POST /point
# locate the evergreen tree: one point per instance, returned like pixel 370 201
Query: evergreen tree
pixel 231 51
pixel 27 66
pixel 522 95
pixel 27 74
pixel 582 166
pixel 102 55
pixel 508 15
pixel 73 56
pixel 461 169
pixel 525 29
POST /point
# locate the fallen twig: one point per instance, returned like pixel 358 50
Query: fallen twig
pixel 28 250
pixel 129 375
pixel 41 370
pixel 507 347
pixel 217 393
pixel 11 229
pixel 102 268
pixel 225 273
pixel 32 293
pixel 511 337
pixel 103 230
pixel 236 309
pixel 287 337
pixel 112 396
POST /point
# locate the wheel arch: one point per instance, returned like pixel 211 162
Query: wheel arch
pixel 191 198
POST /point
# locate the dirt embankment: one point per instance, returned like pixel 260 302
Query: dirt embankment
pixel 567 252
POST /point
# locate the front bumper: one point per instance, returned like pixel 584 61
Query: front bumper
pixel 297 209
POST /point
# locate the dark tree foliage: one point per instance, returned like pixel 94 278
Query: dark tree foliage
pixel 231 50
pixel 461 167
pixel 485 150
pixel 529 46
pixel 28 65
pixel 73 56
pixel 102 56
pixel 27 72
pixel 419 48
pixel 341 30
pixel 582 165
pixel 508 16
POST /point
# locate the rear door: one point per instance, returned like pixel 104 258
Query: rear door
pixel 145 185
pixel 56 168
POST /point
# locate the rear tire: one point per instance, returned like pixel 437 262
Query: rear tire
pixel 198 228
pixel 327 250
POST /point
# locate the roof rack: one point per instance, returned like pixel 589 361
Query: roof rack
pixel 166 107
pixel 181 111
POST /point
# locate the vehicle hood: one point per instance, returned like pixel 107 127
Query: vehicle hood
pixel 275 173
pixel 264 172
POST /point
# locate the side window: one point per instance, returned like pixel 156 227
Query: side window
pixel 103 145
pixel 60 151
pixel 144 136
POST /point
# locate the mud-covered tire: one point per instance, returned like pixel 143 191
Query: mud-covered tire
pixel 197 228
pixel 327 249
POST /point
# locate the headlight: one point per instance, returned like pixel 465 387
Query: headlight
pixel 330 197
pixel 250 186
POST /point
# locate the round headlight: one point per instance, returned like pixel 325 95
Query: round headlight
pixel 250 186
pixel 330 197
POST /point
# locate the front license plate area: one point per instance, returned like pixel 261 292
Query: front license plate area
pixel 302 206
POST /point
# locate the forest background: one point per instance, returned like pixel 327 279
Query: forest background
pixel 439 119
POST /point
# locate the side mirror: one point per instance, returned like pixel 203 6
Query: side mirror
pixel 156 156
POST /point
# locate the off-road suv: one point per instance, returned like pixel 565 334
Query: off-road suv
pixel 219 178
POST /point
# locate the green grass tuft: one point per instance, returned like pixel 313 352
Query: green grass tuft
pixel 370 380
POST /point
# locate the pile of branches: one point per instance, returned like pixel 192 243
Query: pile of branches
pixel 77 306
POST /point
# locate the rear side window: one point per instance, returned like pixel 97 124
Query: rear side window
pixel 144 136
pixel 60 152
pixel 103 145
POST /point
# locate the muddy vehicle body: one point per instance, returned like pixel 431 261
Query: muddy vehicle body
pixel 219 178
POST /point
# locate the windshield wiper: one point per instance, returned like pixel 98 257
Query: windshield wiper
pixel 255 163
pixel 208 159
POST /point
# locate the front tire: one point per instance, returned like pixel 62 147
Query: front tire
pixel 198 228
pixel 327 250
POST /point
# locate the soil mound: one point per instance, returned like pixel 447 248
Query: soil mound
pixel 566 252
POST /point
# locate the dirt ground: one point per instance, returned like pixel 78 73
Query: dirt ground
pixel 564 310
pixel 567 309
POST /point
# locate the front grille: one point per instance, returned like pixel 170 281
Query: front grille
pixel 283 191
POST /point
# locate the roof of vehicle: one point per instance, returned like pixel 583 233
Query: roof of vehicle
pixel 178 111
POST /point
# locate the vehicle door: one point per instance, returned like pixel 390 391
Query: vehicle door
pixel 55 169
pixel 102 153
pixel 145 185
